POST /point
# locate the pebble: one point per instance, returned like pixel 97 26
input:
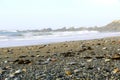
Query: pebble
pixel 1 70
pixel 107 60
pixel 58 79
pixel 7 79
pixel 72 63
pixel 116 56
pixel 38 56
pixel 12 75
pixel 115 70
pixel 24 70
pixel 76 70
pixel 6 61
pixel 16 78
pixel 18 71
pixel 49 59
pixel 104 48
pixel 45 62
pixel 98 69
pixel 89 60
pixel 68 71
pixel 53 59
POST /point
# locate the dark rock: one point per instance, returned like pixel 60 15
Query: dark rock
pixel 67 54
pixel 99 57
pixel 87 57
pixel 22 61
pixel 22 56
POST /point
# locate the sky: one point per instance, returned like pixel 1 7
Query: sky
pixel 38 14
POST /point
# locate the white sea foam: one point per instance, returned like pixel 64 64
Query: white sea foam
pixel 33 38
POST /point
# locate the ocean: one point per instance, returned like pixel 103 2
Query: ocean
pixel 16 38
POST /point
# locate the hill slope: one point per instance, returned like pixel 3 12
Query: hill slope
pixel 113 26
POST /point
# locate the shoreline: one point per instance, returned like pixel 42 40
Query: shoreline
pixel 96 59
pixel 28 45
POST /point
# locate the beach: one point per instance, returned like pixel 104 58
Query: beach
pixel 96 59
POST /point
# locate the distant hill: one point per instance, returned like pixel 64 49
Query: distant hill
pixel 114 26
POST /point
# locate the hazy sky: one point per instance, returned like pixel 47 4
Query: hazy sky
pixel 37 14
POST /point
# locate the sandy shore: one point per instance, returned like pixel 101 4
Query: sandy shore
pixel 76 60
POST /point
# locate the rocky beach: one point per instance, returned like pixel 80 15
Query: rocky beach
pixel 97 59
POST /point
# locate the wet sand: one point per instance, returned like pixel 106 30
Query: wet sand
pixel 97 59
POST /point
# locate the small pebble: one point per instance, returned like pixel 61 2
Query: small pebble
pixel 18 71
pixel 89 60
pixel 107 60
pixel 104 48
pixel 115 70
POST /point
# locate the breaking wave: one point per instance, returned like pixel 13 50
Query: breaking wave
pixel 16 38
pixel 15 35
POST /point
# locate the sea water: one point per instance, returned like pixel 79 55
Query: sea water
pixel 16 38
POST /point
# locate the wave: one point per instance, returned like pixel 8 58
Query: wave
pixel 35 38
pixel 16 35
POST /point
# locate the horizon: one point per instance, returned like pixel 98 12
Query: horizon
pixel 38 14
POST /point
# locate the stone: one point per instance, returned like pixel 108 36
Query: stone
pixel 115 70
pixel 116 56
pixel 68 71
pixel 104 48
pixel 6 61
pixel 12 75
pixel 16 78
pixel 7 79
pixel 1 70
pixel 107 60
pixel 72 63
pixel 37 55
pixel 18 71
pixel 76 70
pixel 24 70
pixel 89 60
pixel 22 61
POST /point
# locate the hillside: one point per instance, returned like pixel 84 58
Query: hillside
pixel 113 26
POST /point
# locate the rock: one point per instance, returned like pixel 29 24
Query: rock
pixel 8 67
pixel 24 70
pixel 98 68
pixel 1 71
pixel 104 48
pixel 12 75
pixel 58 79
pixel 118 49
pixel 116 56
pixel 76 70
pixel 87 57
pixel 115 70
pixel 7 78
pixel 99 57
pixel 6 61
pixel 89 60
pixel 22 61
pixel 107 60
pixel 67 54
pixel 18 71
pixel 53 59
pixel 45 62
pixel 67 71
pixel 49 59
pixel 37 55
pixel 16 78
pixel 22 56
pixel 72 63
